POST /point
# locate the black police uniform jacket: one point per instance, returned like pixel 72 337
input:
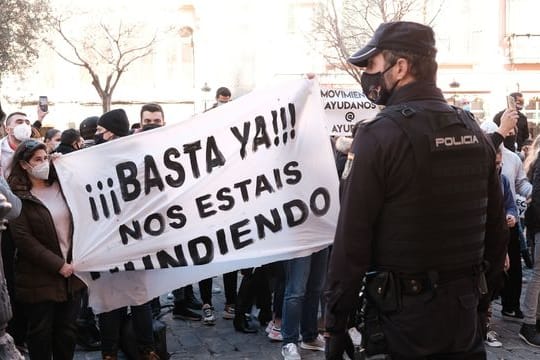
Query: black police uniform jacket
pixel 435 205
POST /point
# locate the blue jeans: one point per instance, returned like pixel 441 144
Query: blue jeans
pixel 304 280
pixel 531 310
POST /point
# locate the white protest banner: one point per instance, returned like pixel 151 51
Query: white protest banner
pixel 521 204
pixel 345 107
pixel 248 183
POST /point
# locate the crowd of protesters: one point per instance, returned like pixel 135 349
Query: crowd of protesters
pixel 50 304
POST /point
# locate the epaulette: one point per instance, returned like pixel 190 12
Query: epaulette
pixel 389 112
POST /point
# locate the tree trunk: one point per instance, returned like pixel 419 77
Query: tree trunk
pixel 106 102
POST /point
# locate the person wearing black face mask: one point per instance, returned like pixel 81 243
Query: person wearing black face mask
pixel 513 169
pixel 510 141
pixel 414 218
pixel 152 116
pixel 111 125
pixel 374 86
pixel 70 140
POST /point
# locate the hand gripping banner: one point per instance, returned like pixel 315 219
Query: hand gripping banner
pixel 248 183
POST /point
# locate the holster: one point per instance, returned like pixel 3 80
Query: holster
pixel 383 289
pixel 373 339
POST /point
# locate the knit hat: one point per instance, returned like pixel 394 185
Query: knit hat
pixel 88 127
pixel 115 121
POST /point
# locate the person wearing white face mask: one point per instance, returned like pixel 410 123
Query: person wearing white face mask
pixel 52 139
pixel 45 285
pixel 18 129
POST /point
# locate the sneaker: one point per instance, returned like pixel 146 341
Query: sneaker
pixel 208 315
pixel 514 315
pixel 275 334
pixel 290 352
pixel 269 327
pixel 228 313
pixel 492 339
pixel 528 334
pixel 185 314
pixel 316 344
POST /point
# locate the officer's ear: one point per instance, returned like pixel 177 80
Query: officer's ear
pixel 403 68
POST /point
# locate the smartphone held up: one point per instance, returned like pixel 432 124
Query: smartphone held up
pixel 511 103
pixel 43 103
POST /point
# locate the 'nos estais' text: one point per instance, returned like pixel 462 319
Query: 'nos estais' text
pixel 170 172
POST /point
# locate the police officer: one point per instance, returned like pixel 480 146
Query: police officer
pixel 421 214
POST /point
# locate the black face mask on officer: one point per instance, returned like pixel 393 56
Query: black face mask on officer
pixel 374 88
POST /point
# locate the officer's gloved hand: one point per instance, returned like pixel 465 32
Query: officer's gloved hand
pixel 337 344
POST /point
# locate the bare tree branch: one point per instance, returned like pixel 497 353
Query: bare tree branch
pixel 147 46
pixel 58 28
pixel 436 14
pixel 110 52
pixel 67 59
pixel 342 27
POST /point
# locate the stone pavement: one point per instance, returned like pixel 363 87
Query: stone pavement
pixel 193 340
pixel 513 346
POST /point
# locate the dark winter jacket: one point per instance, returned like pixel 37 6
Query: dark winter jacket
pixel 64 149
pixel 39 257
pixel 509 202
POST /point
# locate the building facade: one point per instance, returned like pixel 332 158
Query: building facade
pixel 486 49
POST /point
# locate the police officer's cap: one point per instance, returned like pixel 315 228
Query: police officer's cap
pixel 398 36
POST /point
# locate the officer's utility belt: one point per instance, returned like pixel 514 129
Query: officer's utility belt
pixel 386 288
pixel 416 284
